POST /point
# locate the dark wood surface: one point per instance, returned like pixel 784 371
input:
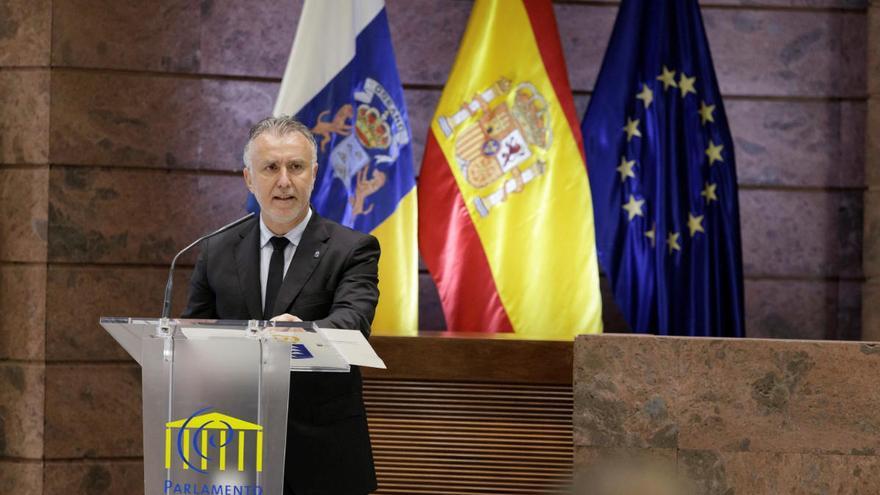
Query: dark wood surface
pixel 458 356
pixel 459 413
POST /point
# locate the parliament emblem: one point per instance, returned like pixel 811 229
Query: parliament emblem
pixel 372 141
pixel 506 137
pixel 204 432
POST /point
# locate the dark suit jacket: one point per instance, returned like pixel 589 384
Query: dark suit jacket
pixel 332 280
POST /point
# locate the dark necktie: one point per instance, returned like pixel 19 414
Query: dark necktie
pixel 276 274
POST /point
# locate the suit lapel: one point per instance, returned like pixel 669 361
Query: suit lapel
pixel 247 262
pixel 307 256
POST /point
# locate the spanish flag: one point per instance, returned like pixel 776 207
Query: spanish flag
pixel 505 214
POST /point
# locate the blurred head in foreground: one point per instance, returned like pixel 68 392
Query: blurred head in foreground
pixel 618 477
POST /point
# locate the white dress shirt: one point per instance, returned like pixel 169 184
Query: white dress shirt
pixel 266 249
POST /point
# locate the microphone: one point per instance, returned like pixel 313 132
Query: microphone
pixel 166 303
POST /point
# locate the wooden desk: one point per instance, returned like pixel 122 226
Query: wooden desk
pixel 466 414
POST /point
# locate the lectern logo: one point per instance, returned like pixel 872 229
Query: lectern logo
pixel 205 432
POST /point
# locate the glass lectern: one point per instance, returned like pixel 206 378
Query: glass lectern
pixel 215 397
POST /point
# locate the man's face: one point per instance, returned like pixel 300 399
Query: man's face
pixel 282 178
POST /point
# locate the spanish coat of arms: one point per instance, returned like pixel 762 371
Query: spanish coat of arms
pixel 507 141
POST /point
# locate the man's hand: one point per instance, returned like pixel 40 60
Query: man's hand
pixel 286 317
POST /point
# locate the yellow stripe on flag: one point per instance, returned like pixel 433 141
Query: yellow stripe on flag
pixel 398 309
pixel 529 202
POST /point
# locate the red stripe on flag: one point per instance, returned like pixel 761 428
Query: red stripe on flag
pixel 453 252
pixel 546 32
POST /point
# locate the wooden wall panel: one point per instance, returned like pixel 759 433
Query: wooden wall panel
pixel 456 438
pixel 462 414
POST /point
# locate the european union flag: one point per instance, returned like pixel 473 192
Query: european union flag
pixel 661 167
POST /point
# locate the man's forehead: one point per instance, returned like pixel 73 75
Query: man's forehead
pixel 289 146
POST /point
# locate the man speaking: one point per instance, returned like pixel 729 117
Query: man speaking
pixel 292 265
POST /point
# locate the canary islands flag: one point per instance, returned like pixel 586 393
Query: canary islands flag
pixel 342 82
pixel 505 217
pixel 663 175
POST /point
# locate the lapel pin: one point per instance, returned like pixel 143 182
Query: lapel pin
pixel 317 253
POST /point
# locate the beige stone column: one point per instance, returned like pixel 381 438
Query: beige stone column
pixel 871 250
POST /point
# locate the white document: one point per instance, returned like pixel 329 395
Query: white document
pixel 353 346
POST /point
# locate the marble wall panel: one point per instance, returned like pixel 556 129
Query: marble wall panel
pixel 136 216
pixel 730 395
pixel 79 295
pixel 238 40
pixel 426 45
pixel 23 306
pixel 792 52
pixel 247 38
pixel 801 233
pixel 870 315
pixel 871 231
pixel 21 410
pixel 624 392
pixel 803 309
pixel 804 53
pixel 94 477
pixel 798 143
pixel 420 105
pixel 93 411
pixel 430 310
pixel 776 396
pixel 25 33
pixel 160 36
pixel 874 50
pixel 211 37
pixel 229 109
pixel 24 204
pixel 872 143
pixel 805 4
pixel 22 477
pixel 24 114
pixel 585 31
pixel 150 121
pixel 720 473
pixel 124 119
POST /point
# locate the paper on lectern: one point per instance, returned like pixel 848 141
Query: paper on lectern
pixel 354 347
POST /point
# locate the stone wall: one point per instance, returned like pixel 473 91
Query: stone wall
pixel 731 416
pixel 121 125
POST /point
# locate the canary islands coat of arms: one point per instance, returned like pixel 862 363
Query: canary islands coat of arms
pixel 378 134
pixel 502 148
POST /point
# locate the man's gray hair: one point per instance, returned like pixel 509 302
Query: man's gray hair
pixel 279 126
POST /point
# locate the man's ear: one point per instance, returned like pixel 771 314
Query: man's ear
pixel 248 180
